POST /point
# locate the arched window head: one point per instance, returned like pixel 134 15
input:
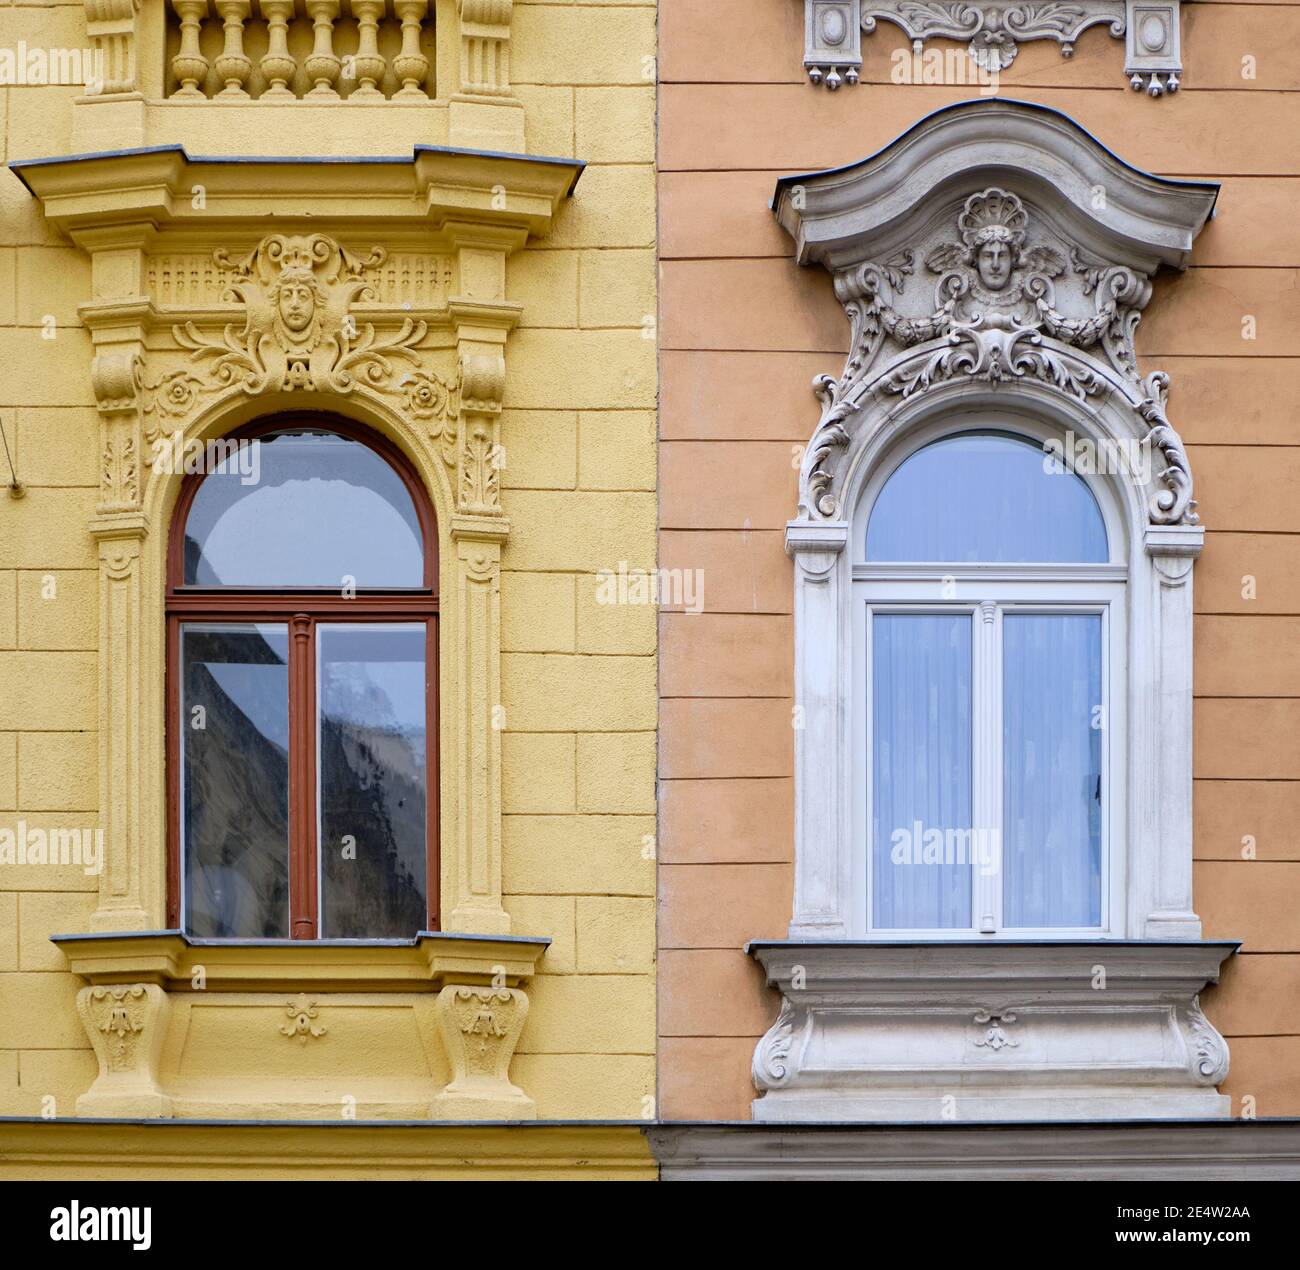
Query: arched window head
pixel 304 507
pixel 986 496
pixel 302 655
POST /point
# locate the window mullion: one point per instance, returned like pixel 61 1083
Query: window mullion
pixel 986 736
pixel 302 777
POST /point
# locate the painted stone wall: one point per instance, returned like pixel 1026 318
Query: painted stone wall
pixel 577 708
pixel 743 331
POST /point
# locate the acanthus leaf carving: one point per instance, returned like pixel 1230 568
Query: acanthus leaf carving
pixel 1001 313
pixel 772 1066
pixel 301 331
pixel 119 474
pixel 1209 1051
pixel 120 1012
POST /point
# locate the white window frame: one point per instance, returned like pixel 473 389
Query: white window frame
pixel 1146 589
pixel 996 595
pixel 991 590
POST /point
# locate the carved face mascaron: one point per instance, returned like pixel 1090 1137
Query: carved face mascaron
pixel 993 262
pixel 296 302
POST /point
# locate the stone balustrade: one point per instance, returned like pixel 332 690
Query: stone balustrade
pixel 361 51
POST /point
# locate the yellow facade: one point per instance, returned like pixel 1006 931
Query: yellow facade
pixel 534 335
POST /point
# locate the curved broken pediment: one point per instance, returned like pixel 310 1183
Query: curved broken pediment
pixel 998 243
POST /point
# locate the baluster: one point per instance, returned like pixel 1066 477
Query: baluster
pixel 322 65
pixel 370 65
pixel 233 67
pixel 410 65
pixel 277 63
pixel 189 65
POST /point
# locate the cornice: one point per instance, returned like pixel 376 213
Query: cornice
pixel 426 963
pixel 863 206
pixel 164 187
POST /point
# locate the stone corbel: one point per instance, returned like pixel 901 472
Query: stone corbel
pixel 480 1028
pixel 126 1024
pixel 994 29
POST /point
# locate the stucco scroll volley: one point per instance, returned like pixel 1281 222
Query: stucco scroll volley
pixel 994 31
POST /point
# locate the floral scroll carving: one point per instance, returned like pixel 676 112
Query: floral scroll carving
pixel 480 1028
pixel 126 1024
pixel 995 1036
pixel 302 330
pixel 119 1013
pixel 993 31
pixel 1209 1051
pixel 302 1012
pixel 772 1066
pixel 1004 307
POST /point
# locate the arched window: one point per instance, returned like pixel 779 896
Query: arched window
pixel 302 616
pixel 989 619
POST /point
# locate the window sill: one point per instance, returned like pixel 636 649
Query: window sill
pixel 404 1029
pixel 993 1030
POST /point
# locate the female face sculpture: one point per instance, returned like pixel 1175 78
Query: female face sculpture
pixel 993 261
pixel 296 302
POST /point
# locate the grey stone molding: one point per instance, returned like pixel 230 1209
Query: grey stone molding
pixel 994 1030
pixel 994 31
pixel 1189 1150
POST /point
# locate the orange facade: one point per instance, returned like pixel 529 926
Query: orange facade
pixel 743 331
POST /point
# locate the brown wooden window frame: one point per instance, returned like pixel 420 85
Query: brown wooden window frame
pixel 302 609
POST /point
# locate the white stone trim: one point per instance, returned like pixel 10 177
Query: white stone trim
pixel 1151 29
pixel 999 1030
pixel 1048 345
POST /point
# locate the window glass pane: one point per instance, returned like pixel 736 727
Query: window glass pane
pixel 985 496
pixel 372 784
pixel 1051 755
pixel 921 770
pixel 235 779
pixel 303 508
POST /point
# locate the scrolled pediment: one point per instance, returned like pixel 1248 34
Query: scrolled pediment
pixel 995 243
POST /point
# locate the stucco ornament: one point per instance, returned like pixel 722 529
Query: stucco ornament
pixel 993 262
pixel 1009 286
pixel 993 31
pixel 301 331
